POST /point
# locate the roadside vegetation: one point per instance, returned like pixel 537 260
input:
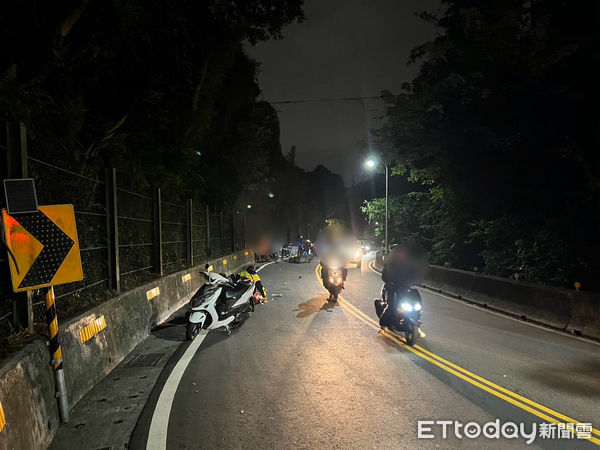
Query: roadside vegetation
pixel 494 145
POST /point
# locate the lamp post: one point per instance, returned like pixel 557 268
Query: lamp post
pixel 371 163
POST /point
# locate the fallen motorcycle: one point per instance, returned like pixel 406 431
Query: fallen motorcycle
pixel 220 303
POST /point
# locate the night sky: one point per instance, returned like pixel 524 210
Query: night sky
pixel 345 48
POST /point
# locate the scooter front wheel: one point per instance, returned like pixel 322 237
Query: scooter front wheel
pixel 411 334
pixel 192 330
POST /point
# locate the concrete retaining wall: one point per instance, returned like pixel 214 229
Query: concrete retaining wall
pixel 26 380
pixel 572 311
pixel 561 308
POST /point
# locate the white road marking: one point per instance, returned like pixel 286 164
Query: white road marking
pixel 265 265
pixel 372 263
pixel 157 435
pixel 499 314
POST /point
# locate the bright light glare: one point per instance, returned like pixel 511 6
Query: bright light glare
pixel 249 206
pixel 370 163
pixel 406 307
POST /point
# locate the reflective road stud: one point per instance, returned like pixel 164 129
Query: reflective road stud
pixel 56 353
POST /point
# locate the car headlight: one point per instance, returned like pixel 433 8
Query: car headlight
pixel 368 248
pixel 339 280
pixel 417 307
pixel 357 253
pixel 331 279
pixel 406 307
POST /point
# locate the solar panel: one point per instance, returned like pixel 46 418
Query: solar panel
pixel 20 196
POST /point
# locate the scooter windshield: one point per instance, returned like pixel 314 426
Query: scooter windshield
pixel 205 292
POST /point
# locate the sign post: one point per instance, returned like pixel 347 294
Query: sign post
pixel 56 355
pixel 43 252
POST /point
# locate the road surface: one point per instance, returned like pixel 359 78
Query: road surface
pixel 305 373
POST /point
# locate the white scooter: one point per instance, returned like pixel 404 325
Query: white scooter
pixel 220 303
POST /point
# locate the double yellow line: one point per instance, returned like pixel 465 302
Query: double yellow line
pixel 517 400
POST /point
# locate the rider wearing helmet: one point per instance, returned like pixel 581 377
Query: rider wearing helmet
pixel 402 268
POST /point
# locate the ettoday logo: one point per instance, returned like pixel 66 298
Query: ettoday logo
pixel 430 429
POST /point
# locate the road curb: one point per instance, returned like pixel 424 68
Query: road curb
pixel 26 386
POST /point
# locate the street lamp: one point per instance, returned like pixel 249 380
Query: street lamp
pixel 370 163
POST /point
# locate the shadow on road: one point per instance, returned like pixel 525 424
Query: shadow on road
pixel 577 380
pixel 170 332
pixel 314 305
pixel 389 345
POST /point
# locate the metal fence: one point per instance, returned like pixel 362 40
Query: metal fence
pixel 127 236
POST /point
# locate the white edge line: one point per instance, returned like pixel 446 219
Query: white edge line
pixel 499 314
pixel 265 265
pixel 370 266
pixel 157 435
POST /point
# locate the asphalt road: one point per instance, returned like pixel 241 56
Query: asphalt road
pixel 305 373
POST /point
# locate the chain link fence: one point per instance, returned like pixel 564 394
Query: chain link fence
pixel 136 237
pixel 199 234
pixel 216 233
pixel 140 213
pixel 173 236
pixel 6 310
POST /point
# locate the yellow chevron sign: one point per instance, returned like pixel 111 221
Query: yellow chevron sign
pixel 43 247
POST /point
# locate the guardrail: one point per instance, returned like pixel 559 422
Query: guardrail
pixel 128 233
pixel 93 344
pixel 571 311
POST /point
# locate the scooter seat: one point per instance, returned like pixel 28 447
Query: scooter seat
pixel 238 289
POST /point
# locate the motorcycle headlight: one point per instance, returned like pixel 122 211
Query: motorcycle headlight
pixel 406 307
pixel 417 307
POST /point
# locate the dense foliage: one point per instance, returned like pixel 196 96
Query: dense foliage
pixel 163 91
pixel 160 89
pixel 497 138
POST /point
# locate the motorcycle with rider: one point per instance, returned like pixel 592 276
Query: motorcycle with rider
pixel 400 307
pixel 335 247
